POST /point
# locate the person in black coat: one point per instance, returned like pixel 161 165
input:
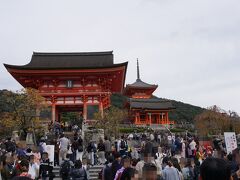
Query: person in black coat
pixel 46 168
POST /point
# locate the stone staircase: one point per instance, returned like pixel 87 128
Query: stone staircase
pixel 92 173
pixel 94 170
pixel 56 170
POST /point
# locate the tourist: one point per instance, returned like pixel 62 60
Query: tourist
pixel 24 165
pixel 192 146
pixel 178 167
pixel 37 155
pixel 91 149
pixel 200 154
pixel 42 145
pixel 148 147
pixel 187 171
pixel 64 144
pixel 126 163
pixel 231 159
pixel 8 170
pixel 215 168
pixel 178 144
pixel 108 147
pixel 183 151
pixel 21 150
pixel 128 173
pixel 46 168
pixel 116 165
pixel 56 151
pixel 170 172
pixel 79 154
pixel 106 171
pixel 158 164
pixel 70 153
pixel 101 153
pixel 147 158
pixel 122 146
pixel 65 168
pixel 196 169
pixel 155 144
pixel 74 148
pixel 33 169
pixel 78 172
pixel 149 171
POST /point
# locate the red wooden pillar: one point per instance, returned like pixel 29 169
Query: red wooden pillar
pixel 135 119
pixel 146 118
pixel 150 118
pixel 162 119
pixel 100 107
pixel 53 112
pixel 85 108
pixel 57 114
pixel 167 118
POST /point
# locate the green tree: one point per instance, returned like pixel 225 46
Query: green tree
pixel 110 120
pixel 25 107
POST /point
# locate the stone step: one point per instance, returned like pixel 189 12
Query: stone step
pixel 94 171
pixel 56 170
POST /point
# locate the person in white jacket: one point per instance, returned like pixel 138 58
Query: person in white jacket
pixel 33 169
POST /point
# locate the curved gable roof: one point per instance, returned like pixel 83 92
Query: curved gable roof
pixel 71 60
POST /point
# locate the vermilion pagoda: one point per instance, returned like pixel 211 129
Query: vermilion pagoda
pixel 80 81
pixel 144 107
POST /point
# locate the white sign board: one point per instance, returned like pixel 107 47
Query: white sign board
pixel 230 141
pixel 50 151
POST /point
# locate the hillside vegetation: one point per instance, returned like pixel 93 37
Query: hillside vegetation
pixel 183 112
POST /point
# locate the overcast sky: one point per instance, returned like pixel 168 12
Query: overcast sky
pixel 190 48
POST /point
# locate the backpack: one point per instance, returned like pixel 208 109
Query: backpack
pixel 65 168
pixel 122 144
pixel 78 174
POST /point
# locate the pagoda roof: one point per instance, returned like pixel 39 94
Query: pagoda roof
pixel 140 84
pixel 150 104
pixel 72 60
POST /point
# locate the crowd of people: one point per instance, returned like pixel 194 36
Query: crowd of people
pixel 131 156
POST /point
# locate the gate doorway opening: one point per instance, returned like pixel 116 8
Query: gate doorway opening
pixel 68 116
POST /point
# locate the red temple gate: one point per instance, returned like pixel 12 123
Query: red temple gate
pixel 72 81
